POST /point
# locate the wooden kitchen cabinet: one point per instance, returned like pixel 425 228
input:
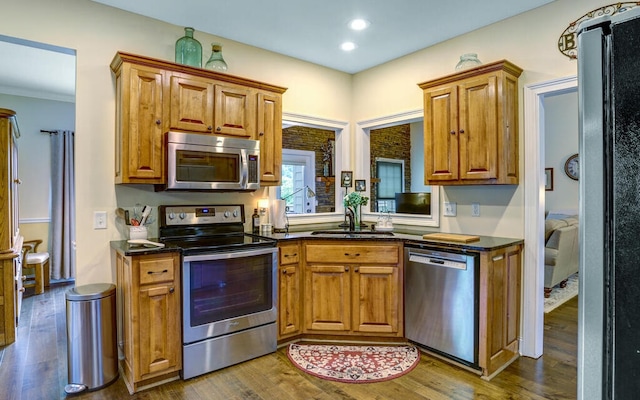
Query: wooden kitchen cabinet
pixel 471 126
pixel 140 123
pixel 270 136
pixel 149 324
pixel 499 319
pixel 154 96
pixel 206 106
pixel 10 239
pixel 289 290
pixel 353 288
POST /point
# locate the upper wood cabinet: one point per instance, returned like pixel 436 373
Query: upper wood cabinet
pixel 471 126
pixel 155 96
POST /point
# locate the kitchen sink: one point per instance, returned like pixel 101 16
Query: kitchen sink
pixel 347 233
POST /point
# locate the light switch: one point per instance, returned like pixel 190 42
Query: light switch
pixel 450 209
pixel 99 220
pixel 475 209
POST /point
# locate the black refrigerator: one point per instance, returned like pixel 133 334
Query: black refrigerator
pixel 609 300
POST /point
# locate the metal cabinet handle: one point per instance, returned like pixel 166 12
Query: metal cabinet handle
pixel 284 272
pixel 291 255
pixel 164 271
pixel 172 289
pixel 22 290
pixel 18 181
pixel 461 130
pixel 158 122
pixel 218 129
pixel 498 258
pixel 209 128
pixel 356 269
pixel 349 254
pixel 261 134
pixel 346 269
pixel 24 278
pixel 453 132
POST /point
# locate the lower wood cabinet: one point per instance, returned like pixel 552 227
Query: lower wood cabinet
pixel 289 290
pixel 353 288
pixel 149 318
pixel 500 272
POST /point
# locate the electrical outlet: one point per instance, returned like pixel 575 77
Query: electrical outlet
pixel 450 209
pixel 99 220
pixel 475 209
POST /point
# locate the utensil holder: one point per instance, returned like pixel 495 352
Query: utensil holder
pixel 138 232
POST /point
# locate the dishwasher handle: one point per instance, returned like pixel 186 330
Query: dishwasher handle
pixel 436 262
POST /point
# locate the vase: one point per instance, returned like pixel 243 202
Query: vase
pixel 189 50
pixel 356 217
pixel 325 168
pixel 216 62
pixel 468 60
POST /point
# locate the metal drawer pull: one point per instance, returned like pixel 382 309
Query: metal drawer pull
pixel 155 272
pixel 498 258
pixel 291 255
pixel 349 254
pixel 171 290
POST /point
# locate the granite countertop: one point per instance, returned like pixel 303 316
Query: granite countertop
pixel 486 243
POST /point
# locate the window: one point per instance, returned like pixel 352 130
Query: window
pixel 297 175
pixel 390 174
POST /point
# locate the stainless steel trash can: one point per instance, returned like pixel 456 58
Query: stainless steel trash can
pixel 92 353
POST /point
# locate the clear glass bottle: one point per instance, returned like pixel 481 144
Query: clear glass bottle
pixel 189 50
pixel 468 60
pixel 216 62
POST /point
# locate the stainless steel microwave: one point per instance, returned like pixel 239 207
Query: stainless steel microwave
pixel 211 162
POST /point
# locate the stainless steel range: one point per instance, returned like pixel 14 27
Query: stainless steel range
pixel 229 286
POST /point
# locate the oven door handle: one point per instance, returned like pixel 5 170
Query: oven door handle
pixel 231 254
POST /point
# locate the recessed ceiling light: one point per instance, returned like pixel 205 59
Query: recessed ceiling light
pixel 358 24
pixel 348 46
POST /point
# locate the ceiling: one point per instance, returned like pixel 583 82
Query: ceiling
pixel 308 30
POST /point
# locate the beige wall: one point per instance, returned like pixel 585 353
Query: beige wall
pixel 96 32
pixel 528 40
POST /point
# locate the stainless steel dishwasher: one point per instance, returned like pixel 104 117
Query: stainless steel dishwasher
pixel 441 301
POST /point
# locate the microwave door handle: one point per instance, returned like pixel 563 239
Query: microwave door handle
pixel 244 170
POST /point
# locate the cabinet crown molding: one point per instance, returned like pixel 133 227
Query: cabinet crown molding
pixel 502 65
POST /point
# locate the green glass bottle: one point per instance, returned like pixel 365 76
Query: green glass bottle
pixel 216 62
pixel 189 50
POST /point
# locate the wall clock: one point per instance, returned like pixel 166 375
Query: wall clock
pixel 571 167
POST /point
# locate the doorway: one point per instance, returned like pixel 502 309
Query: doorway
pixel 534 194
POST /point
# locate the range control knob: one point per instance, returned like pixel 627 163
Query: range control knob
pixel 235 213
pixel 182 215
pixel 227 214
pixel 171 215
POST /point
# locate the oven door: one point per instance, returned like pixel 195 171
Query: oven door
pixel 228 292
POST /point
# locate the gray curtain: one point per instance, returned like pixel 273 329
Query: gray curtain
pixel 62 233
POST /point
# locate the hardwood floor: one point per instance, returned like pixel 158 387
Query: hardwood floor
pixel 35 367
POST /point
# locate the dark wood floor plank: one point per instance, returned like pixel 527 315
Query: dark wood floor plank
pixel 35 367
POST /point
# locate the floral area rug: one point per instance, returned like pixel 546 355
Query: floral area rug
pixel 354 364
pixel 559 295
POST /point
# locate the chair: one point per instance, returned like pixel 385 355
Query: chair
pixel 561 252
pixel 37 261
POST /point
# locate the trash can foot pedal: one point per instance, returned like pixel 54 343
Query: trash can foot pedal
pixel 74 388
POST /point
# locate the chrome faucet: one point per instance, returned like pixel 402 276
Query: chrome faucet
pixel 349 214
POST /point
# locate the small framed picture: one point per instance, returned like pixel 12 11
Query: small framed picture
pixel 346 179
pixel 548 184
pixel 361 185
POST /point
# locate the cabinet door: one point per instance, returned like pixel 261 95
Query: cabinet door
pixel 191 104
pixel 270 136
pixel 327 298
pixel 289 300
pixel 499 307
pixel 158 316
pixel 478 128
pixel 375 299
pixel 142 127
pixel 441 134
pixel 235 111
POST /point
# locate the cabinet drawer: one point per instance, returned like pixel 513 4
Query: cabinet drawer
pixel 289 255
pixel 373 254
pixel 156 270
